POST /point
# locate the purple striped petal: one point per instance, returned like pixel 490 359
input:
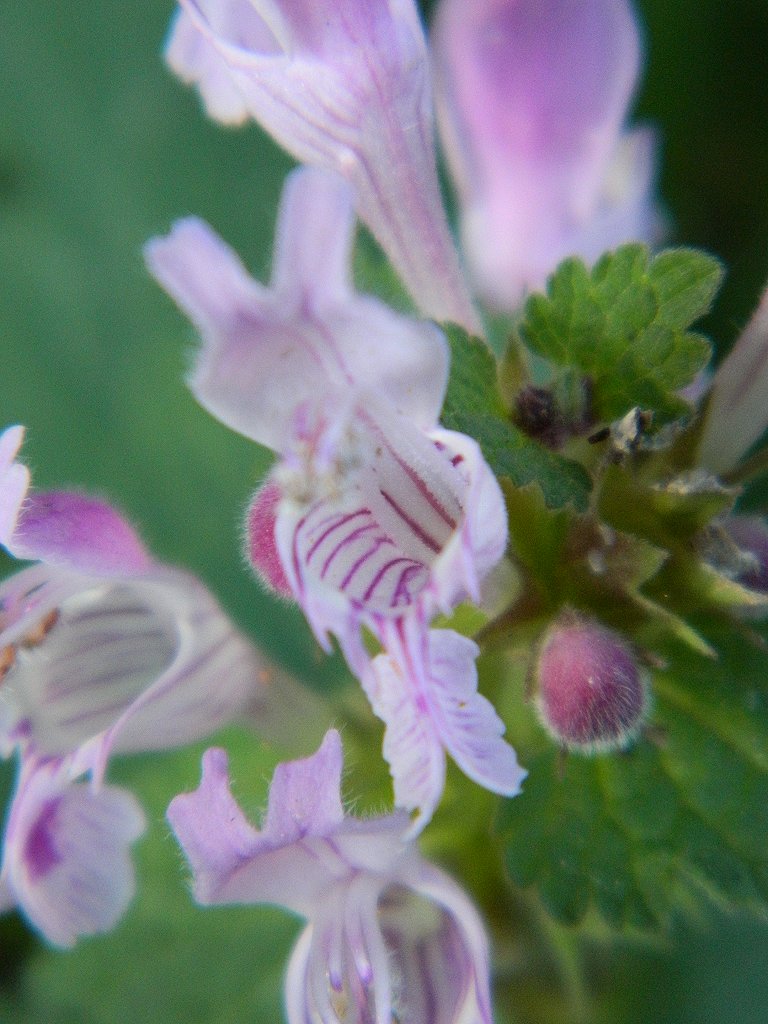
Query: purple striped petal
pixel 467 723
pixel 371 506
pixel 412 746
pixel 449 964
pixel 67 853
pixel 349 91
pixel 266 352
pixel 142 664
pixel 380 521
pixel 425 691
pixel 412 950
pixel 370 525
pixel 14 481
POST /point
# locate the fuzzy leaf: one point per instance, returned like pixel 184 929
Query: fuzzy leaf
pixel 624 326
pixel 668 515
pixel 641 836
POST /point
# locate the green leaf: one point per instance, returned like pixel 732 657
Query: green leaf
pixel 473 383
pixel 624 326
pixel 642 836
pixel 668 514
pixel 473 406
pixel 686 282
pixel 515 457
pixel 538 535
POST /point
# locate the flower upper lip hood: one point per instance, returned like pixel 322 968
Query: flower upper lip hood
pixel 267 350
pixel 387 933
pixel 344 86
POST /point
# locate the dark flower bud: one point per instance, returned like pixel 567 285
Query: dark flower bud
pixel 591 695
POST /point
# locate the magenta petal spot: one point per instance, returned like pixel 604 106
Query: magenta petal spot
pixel 40 853
pixel 591 695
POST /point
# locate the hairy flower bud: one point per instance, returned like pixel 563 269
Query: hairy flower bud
pixel 591 695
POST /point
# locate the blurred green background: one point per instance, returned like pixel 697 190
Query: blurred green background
pixel 99 149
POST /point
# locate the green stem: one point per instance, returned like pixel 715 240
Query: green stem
pixel 569 962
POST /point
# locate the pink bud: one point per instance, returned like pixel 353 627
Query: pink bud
pixel 261 548
pixel 590 694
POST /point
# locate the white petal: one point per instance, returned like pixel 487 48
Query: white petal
pixel 425 690
pixel 482 540
pixel 466 722
pixel 737 415
pixel 412 746
pixel 265 352
pixel 144 664
pixel 14 481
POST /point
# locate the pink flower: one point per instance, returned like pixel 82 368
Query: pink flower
pixel 66 857
pixel 378 514
pixel 343 86
pixel 534 97
pixel 102 651
pixel 388 935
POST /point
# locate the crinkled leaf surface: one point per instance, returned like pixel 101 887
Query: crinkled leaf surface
pixel 643 836
pixel 624 325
